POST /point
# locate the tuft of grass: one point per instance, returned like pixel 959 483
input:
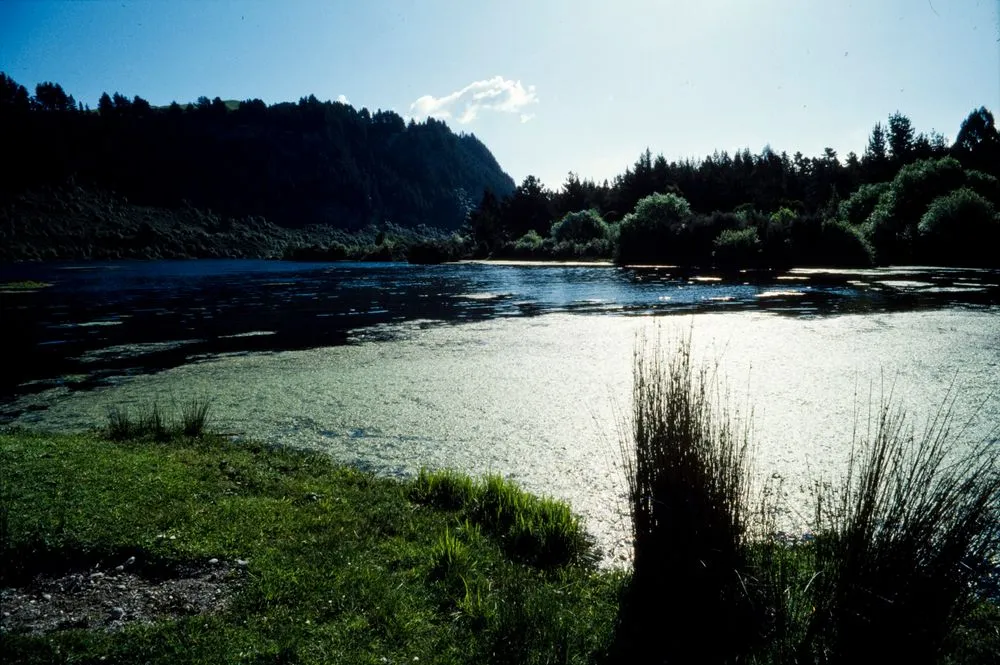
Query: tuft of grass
pixel 907 543
pixel 688 468
pixel 451 558
pixel 194 417
pixel 152 421
pixel 446 488
pixel 120 426
pixel 538 530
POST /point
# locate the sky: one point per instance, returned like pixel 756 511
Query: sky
pixel 550 86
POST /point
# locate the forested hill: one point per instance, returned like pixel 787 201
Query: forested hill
pixel 295 164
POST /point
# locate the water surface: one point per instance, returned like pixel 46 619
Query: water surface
pixel 524 371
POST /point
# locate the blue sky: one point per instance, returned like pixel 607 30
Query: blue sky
pixel 550 86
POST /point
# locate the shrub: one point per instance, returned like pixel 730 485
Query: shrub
pixel 530 244
pixel 856 208
pixel 960 228
pixel 984 184
pixel 843 245
pixel 645 235
pixel 335 251
pixel 783 217
pixel 433 251
pixel 737 248
pixel 891 228
pixel 580 227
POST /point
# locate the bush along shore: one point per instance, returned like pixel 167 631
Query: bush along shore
pixel 69 222
pixel 153 540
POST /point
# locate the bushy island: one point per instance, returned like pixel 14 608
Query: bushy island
pixel 323 181
pixel 153 541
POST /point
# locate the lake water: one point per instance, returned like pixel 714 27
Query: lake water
pixel 520 370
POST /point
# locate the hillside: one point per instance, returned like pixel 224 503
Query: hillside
pixel 295 164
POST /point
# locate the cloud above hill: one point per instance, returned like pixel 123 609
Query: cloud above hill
pixel 494 94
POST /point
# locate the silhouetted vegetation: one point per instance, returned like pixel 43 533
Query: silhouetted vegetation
pixel 295 164
pixel 905 546
pixel 287 180
pixel 75 223
pixel 804 211
pixel 152 421
pixel 900 563
pixel 688 471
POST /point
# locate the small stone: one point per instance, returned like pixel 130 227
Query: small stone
pixel 242 563
pixel 173 537
pixel 129 561
pixel 119 569
pixel 47 596
pixel 213 561
pixel 96 576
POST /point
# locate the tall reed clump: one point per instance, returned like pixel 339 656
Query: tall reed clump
pixel 688 465
pixel 904 544
pixel 899 565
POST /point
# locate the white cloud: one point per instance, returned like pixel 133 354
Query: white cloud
pixel 495 94
pixel 343 99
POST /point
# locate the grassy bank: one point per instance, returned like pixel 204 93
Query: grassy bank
pixel 152 541
pixel 313 563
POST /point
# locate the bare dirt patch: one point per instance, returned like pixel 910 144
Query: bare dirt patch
pixel 97 599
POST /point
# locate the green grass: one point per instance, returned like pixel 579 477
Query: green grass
pixel 343 566
pixel 537 530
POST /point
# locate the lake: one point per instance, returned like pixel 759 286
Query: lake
pixel 524 370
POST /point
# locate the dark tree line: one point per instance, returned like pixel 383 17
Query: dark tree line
pixel 295 163
pixel 770 207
